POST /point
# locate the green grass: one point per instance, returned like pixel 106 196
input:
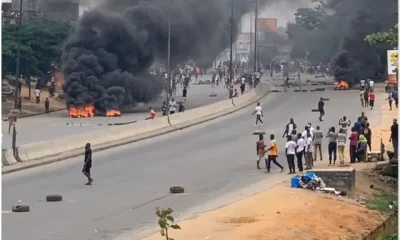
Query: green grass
pixel 390 237
pixel 382 201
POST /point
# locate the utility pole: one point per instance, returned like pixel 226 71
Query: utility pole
pixel 251 37
pixel 17 93
pixel 169 65
pixel 231 55
pixel 255 37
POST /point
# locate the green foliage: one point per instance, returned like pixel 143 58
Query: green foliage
pixel 382 202
pixel 41 45
pixel 166 221
pixel 391 237
pixel 389 37
pixel 309 18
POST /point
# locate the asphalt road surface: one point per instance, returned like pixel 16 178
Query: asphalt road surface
pixel 49 126
pixel 211 161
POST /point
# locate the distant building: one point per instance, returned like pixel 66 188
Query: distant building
pixel 62 10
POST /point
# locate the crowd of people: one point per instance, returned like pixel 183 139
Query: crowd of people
pixel 308 144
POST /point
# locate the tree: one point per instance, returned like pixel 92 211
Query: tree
pixel 309 18
pixel 166 221
pixel 41 46
pixel 389 37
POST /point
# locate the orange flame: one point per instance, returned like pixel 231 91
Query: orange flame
pixel 341 84
pixel 113 113
pixel 81 111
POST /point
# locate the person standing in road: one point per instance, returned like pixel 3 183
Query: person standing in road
pixel 290 151
pixel 362 97
pixel 353 144
pixel 258 111
pixel 317 140
pixel 344 124
pixel 184 93
pixel 394 136
pixel 332 147
pixel 172 106
pixel 341 144
pixel 260 150
pixel 371 99
pixel 321 110
pixel 272 154
pixel 88 164
pixel 366 96
pixel 37 95
pixel 289 128
pixel 300 152
pixel 47 105
pixel 308 152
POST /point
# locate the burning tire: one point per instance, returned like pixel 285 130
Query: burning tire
pixel 53 198
pixel 176 189
pixel 20 208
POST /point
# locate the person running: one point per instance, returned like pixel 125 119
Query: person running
pixel 308 152
pixel 317 140
pixel 289 128
pixel 87 164
pixel 341 144
pixel 258 111
pixel 371 99
pixel 300 152
pixel 332 147
pixel 272 154
pixel 321 110
pixel 260 149
pixel 290 151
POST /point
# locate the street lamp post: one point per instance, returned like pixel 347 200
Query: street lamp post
pixel 231 56
pixel 16 96
pixel 255 37
pixel 169 65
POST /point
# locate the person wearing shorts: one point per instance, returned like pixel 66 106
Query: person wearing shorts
pixel 371 99
pixel 88 164
pixel 260 148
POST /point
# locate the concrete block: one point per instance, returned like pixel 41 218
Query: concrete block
pixel 374 156
pixel 8 158
pixel 343 179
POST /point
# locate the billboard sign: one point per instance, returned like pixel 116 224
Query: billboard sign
pixel 392 61
pixel 267 25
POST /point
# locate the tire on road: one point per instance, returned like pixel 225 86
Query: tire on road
pixel 296 90
pixel 257 132
pixel 176 189
pixel 53 198
pixel 276 91
pixel 20 208
pixel 305 90
pixel 320 89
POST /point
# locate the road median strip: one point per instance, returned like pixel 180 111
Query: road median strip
pixel 58 149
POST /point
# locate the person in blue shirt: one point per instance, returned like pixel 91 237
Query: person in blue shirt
pixel 357 125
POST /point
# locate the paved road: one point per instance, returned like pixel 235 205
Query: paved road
pixel 48 126
pixel 211 161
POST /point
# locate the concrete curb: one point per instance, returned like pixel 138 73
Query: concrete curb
pixel 147 135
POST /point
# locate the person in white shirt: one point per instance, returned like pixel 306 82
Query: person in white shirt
pixel 243 79
pixel 308 152
pixel 259 113
pixel 306 131
pixel 290 151
pixel 172 106
pixel 300 152
pixel 371 84
pixel 37 95
pixel 311 129
pixel 289 128
pixel 344 124
pixel 362 83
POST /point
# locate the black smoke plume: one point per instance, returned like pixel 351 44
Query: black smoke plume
pixel 334 33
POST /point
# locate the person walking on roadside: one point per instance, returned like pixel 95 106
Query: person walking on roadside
pixel 341 144
pixel 272 154
pixel 332 147
pixel 37 95
pixel 317 140
pixel 290 151
pixel 394 136
pixel 362 97
pixel 371 99
pixel 300 149
pixel 88 164
pixel 152 114
pixel 321 110
pixel 258 111
pixel 289 128
pixel 308 152
pixel 390 100
pixel 260 150
pixel 11 121
pixel 353 144
pixel 47 105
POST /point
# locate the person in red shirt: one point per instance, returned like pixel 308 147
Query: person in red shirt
pixel 371 99
pixel 152 113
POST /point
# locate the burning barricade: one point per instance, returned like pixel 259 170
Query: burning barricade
pixel 89 111
pixel 341 85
